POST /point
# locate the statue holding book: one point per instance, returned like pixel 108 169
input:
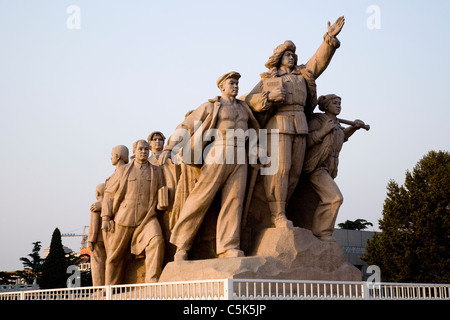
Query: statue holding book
pixel 222 207
pixel 284 100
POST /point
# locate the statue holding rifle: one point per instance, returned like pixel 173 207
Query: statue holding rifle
pixel 325 139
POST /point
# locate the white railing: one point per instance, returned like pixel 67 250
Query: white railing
pixel 18 287
pixel 186 290
pixel 299 290
pixel 241 289
pixel 336 290
pixel 409 291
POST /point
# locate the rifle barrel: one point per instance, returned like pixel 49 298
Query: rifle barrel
pixel 352 123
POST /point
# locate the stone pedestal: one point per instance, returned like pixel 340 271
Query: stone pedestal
pixel 278 253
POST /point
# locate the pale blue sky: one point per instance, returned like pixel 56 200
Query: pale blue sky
pixel 68 96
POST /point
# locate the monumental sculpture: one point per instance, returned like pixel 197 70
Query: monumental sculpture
pixel 170 173
pixel 222 113
pixel 119 157
pixel 133 209
pixel 325 139
pixel 209 182
pixel 96 239
pixel 285 99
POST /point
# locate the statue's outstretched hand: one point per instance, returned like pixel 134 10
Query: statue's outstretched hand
pixel 333 30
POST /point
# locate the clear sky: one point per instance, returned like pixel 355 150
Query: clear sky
pixel 67 96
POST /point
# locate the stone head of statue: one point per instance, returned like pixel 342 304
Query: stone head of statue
pixel 156 141
pixel 229 84
pixel 330 103
pixel 141 150
pixel 119 153
pixel 283 55
pixel 99 191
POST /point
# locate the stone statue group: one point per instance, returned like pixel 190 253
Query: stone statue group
pixel 154 205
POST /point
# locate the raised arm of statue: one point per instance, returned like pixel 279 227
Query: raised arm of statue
pixel 320 60
pixel 335 29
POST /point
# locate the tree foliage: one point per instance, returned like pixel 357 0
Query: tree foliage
pixel 358 224
pixel 414 245
pixel 32 264
pixel 55 265
pixel 51 271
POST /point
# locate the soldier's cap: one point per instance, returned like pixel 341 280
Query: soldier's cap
pixel 278 52
pixel 226 76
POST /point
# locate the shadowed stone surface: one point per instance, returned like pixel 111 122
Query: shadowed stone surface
pixel 279 253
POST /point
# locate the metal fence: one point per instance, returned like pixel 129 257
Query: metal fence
pixel 336 290
pixel 18 287
pixel 243 289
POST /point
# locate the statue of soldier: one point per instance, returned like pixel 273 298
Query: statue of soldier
pixel 283 100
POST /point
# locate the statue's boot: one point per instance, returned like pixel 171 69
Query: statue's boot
pixel 232 253
pixel 181 254
pixel 278 215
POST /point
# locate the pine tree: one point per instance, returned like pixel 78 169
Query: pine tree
pixel 414 245
pixel 55 265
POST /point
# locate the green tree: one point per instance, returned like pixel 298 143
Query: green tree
pixel 55 265
pixel 358 224
pixel 414 245
pixel 32 265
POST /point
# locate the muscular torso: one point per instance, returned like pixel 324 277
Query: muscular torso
pixel 232 116
pixel 231 124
